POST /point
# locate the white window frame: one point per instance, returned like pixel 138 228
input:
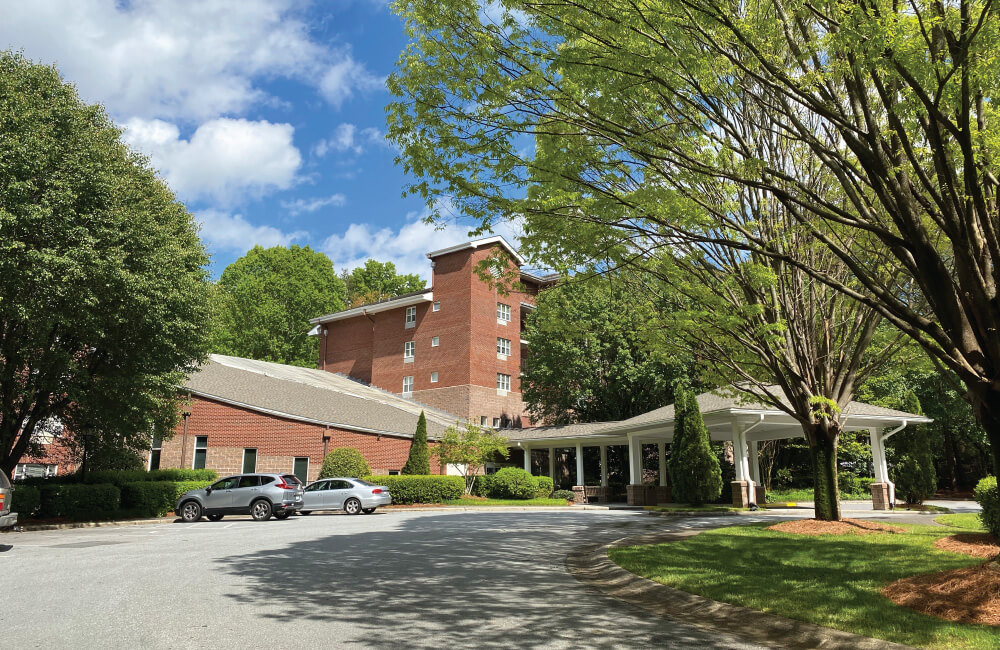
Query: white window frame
pixel 436 306
pixel 496 423
pixel 435 341
pixel 408 380
pixel 410 320
pixel 194 456
pixel 21 470
pixel 292 471
pixel 152 448
pixel 409 350
pixel 503 313
pixel 482 420
pixel 434 377
pixel 503 348
pixel 503 383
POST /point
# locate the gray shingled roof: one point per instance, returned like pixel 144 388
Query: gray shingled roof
pixel 558 431
pixel 312 395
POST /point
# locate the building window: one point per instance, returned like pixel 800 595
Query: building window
pixel 154 453
pixel 435 341
pixel 503 383
pixel 395 472
pixel 408 385
pixel 503 347
pixel 408 349
pixel 434 377
pixel 249 461
pixel 300 467
pixel 496 423
pixel 200 452
pixel 437 306
pixel 411 316
pixel 482 420
pixel 503 313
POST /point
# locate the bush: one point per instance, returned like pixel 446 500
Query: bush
pixel 512 483
pixel 852 486
pixel 25 500
pixel 988 498
pixel 545 486
pixel 122 477
pixel 419 461
pixel 482 485
pixel 563 494
pixel 78 501
pixel 695 473
pixel 346 462
pixel 421 489
pixel 155 498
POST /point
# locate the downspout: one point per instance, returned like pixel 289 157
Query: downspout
pixel 882 438
pixel 371 367
pixel 184 439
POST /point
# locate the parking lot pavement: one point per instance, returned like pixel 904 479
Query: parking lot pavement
pixel 413 579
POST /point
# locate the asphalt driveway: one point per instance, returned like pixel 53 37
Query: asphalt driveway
pixel 412 579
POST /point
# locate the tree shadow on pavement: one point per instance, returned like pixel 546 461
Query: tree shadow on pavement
pixel 484 579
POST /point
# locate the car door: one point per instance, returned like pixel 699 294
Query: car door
pixel 314 497
pixel 245 492
pixel 337 493
pixel 221 496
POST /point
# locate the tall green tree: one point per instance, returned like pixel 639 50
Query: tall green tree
pixel 264 301
pixel 419 460
pixel 913 471
pixel 103 288
pixel 589 357
pixel 629 104
pixel 377 281
pixel 469 448
pixel 695 475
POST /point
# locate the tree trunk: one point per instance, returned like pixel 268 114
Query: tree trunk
pixel 825 491
pixel 986 405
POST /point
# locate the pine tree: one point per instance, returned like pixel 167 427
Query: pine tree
pixel 697 477
pixel 419 460
pixel 914 472
pixel 677 443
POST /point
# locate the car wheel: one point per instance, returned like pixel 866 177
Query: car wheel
pixel 191 512
pixel 282 515
pixel 368 511
pixel 352 506
pixel 215 517
pixel 260 510
pixel 304 512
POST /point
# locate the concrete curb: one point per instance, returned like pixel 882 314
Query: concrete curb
pixel 592 567
pixel 95 524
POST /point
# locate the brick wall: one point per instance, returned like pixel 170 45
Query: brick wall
pixel 231 429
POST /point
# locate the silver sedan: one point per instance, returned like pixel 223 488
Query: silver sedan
pixel 351 495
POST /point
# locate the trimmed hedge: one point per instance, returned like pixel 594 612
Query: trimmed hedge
pixel 155 498
pixel 80 501
pixel 415 488
pixel 988 497
pixel 481 486
pixel 344 461
pixel 122 477
pixel 513 483
pixel 545 487
pixel 25 500
pixel 563 494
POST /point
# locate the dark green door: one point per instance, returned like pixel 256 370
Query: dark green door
pixel 301 469
pixel 249 461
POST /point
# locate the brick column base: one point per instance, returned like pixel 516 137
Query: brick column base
pixel 661 493
pixel 636 495
pixel 741 494
pixel 579 494
pixel 880 496
pixel 760 494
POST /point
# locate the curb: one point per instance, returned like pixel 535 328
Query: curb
pixel 591 566
pixel 94 524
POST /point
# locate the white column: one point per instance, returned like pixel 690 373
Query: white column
pixel 634 461
pixel 661 451
pixel 527 459
pixel 579 464
pixel 604 465
pixel 754 462
pixel 741 458
pixel 878 460
pixel 552 464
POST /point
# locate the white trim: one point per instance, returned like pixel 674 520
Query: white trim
pixel 476 243
pixel 395 303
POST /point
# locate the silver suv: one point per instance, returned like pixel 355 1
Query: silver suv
pixel 259 495
pixel 7 518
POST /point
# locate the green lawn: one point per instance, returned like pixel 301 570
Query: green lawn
pixel 832 580
pixel 781 496
pixel 965 521
pixel 467 501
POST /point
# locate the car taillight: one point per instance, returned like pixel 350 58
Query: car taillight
pixel 283 486
pixel 377 491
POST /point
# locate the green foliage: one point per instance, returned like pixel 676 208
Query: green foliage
pixel 988 498
pixel 120 478
pixel 545 486
pixel 695 475
pixel 344 462
pixel 103 281
pixel 378 281
pixel 421 489
pixel 25 500
pixel 419 460
pixel 513 483
pixel 563 494
pixel 854 487
pixel 470 448
pixel 264 300
pixel 155 498
pixel 591 358
pixel 80 501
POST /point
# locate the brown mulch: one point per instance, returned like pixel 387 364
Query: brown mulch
pixel 842 527
pixel 983 545
pixel 969 595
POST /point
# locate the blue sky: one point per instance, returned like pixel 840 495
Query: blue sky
pixel 266 117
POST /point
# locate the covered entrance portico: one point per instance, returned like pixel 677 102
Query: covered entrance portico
pixel 728 419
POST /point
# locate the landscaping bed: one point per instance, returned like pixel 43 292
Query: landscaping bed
pixel 842 527
pixel 483 501
pixel 835 580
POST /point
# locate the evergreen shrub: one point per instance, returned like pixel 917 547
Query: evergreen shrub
pixel 344 462
pixel 988 498
pixel 421 489
pixel 513 483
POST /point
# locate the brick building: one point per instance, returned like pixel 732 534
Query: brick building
pixel 456 345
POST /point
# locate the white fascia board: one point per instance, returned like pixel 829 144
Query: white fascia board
pixel 497 239
pixel 427 296
pixel 527 305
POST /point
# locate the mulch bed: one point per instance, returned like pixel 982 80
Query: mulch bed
pixel 983 545
pixel 969 595
pixel 842 527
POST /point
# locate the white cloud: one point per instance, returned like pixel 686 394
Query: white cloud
pixel 346 137
pixel 224 159
pixel 231 232
pixel 183 59
pixel 299 206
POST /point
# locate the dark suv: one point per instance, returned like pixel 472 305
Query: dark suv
pixel 7 518
pixel 258 495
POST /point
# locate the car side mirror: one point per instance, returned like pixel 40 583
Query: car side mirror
pixel 208 490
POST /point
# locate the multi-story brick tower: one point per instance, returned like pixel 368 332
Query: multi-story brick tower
pixel 456 346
